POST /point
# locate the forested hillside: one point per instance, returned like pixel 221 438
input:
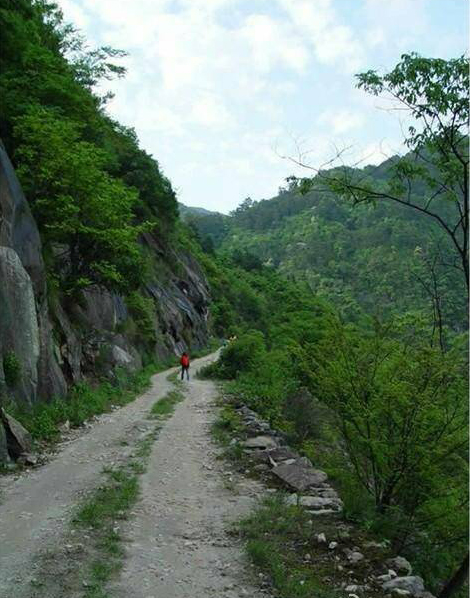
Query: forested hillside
pixel 377 259
pixel 384 252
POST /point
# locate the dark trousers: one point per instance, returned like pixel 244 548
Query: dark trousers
pixel 183 370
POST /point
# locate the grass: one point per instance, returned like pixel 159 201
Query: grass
pixel 165 407
pixel 174 377
pixel 109 500
pixel 99 517
pixel 43 419
pixel 277 536
pixel 227 426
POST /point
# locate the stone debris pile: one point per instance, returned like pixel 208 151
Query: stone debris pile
pixel 309 489
pixel 296 472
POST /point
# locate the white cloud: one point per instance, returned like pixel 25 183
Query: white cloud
pixel 213 85
pixel 75 13
pixel 209 110
pixel 273 42
pixel 341 121
pixel 395 24
pixel 318 23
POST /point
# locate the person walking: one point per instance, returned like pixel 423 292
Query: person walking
pixel 184 365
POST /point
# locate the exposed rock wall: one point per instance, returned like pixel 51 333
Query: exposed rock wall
pixel 25 330
pixel 19 330
pixel 58 342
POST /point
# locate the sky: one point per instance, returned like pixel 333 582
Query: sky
pixel 223 92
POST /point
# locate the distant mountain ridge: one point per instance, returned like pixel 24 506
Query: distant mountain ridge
pixel 192 210
pixel 365 257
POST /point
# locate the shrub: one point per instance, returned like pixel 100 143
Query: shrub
pixel 11 368
pixel 142 310
pixel 242 355
pixel 305 414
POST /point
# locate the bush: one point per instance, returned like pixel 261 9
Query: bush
pixel 241 355
pixel 11 368
pixel 305 414
pixel 142 310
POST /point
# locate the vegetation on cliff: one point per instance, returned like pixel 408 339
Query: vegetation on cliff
pixel 93 191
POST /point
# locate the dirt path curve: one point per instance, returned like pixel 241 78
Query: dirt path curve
pixel 178 546
pixel 35 507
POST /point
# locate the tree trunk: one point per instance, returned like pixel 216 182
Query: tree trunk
pixel 457 580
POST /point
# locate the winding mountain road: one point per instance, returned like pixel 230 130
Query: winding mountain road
pixel 176 540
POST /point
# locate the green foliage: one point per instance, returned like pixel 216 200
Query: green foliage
pixel 78 205
pixel 400 408
pixel 165 406
pixel 108 501
pixel 380 260
pixel 244 354
pixel 246 260
pixel 92 189
pixel 306 416
pixel 11 368
pixel 142 310
pixel 433 179
pixel 278 537
pixel 43 420
pixel 227 425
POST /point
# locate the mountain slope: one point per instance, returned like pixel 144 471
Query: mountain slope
pixel 376 259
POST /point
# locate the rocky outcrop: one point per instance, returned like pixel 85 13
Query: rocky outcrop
pixel 25 332
pixel 4 456
pixel 300 474
pixel 54 342
pixel 296 472
pixel 18 440
pixel 412 584
pixel 18 229
pixel 19 331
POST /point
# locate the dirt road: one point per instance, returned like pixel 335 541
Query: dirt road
pixel 177 543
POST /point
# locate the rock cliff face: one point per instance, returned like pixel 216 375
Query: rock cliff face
pixel 49 342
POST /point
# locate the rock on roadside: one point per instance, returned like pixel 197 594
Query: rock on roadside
pixel 411 583
pixel 299 475
pixel 259 442
pixel 18 439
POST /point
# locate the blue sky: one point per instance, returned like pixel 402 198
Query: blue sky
pixel 221 91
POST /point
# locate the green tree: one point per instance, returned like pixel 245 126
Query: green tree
pixel 85 215
pixel 402 412
pixel 433 178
